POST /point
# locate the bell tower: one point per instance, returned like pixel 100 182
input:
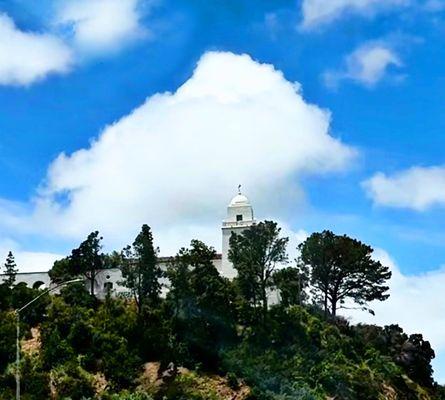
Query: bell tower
pixel 239 217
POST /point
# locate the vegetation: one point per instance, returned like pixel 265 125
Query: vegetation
pixel 212 338
pixel 10 270
pixel 342 268
pixel 255 255
pixel 140 269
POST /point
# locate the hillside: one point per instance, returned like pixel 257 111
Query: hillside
pixel 212 338
pixel 297 356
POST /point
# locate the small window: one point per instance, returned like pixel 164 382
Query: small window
pixel 239 217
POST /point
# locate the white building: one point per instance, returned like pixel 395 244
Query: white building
pixel 239 217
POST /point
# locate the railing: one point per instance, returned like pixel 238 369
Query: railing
pixel 237 224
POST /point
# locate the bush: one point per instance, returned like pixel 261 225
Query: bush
pixel 72 382
pixel 232 380
pixel 7 339
pixel 129 396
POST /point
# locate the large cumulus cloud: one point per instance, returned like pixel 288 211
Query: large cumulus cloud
pixel 174 161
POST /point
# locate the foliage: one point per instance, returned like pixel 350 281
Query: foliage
pixel 91 349
pixel 255 253
pixel 71 381
pixel 75 294
pixel 10 270
pixel 35 380
pixel 21 295
pixel 200 300
pixel 140 269
pixel 125 395
pixel 7 338
pixel 61 271
pixel 342 268
pixel 302 356
pixel 412 353
pixel 87 260
pixel 290 283
pixel 113 260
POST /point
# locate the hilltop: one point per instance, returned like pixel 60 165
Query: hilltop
pixel 210 337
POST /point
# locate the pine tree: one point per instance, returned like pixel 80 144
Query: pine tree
pixel 342 269
pixel 10 270
pixel 140 269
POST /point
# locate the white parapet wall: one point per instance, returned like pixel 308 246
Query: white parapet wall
pixel 107 280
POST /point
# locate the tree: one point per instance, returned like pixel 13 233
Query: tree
pixel 140 269
pixel 342 268
pixel 180 292
pixel 413 353
pixel 255 253
pixel 201 301
pixel 290 283
pixel 87 260
pixel 61 271
pixel 10 270
pixel 7 338
pixel 77 295
pixel 113 260
pixel 415 357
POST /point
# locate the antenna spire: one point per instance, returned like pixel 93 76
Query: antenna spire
pixel 239 189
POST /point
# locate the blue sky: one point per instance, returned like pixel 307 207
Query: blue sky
pixel 358 145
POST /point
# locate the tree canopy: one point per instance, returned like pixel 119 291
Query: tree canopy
pixel 88 260
pixel 200 299
pixel 342 269
pixel 290 283
pixel 255 254
pixel 140 269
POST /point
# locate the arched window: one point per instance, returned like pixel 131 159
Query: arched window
pixel 38 284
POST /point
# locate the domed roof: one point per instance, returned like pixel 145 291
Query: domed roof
pixel 239 201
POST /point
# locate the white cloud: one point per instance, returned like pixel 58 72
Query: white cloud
pixel 26 57
pixel 366 65
pixel 414 303
pixel 417 188
pixel 27 261
pixel 319 12
pixel 101 25
pixel 174 161
pixel 90 26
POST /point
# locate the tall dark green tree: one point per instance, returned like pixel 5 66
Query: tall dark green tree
pixel 10 270
pixel 255 254
pixel 211 291
pixel 201 302
pixel 140 270
pixel 87 260
pixel 342 268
